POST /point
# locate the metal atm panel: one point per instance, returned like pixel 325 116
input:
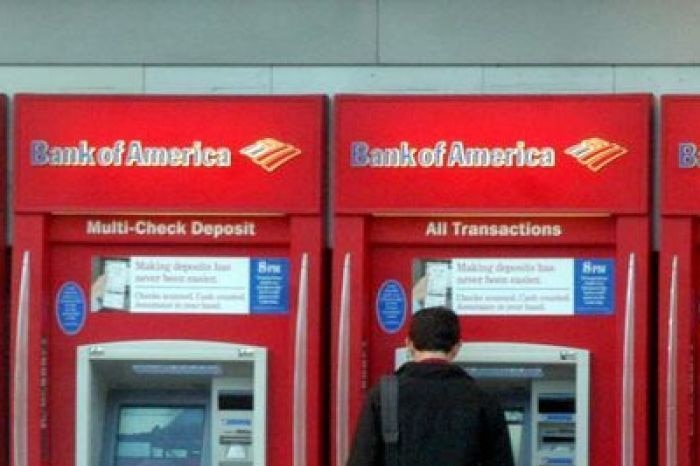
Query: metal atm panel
pixel 225 384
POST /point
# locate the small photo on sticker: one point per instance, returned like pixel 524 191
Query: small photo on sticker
pixel 109 290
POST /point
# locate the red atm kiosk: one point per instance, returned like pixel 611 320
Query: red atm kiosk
pixel 167 281
pixel 529 217
pixel 678 284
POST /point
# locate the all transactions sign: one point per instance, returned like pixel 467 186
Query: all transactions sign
pixel 256 154
pixel 545 153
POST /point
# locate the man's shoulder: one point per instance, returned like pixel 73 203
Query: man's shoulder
pixel 433 371
pixel 451 378
pixel 374 392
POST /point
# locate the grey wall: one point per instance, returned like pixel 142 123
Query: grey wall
pixel 539 31
pixel 349 32
pixel 187 31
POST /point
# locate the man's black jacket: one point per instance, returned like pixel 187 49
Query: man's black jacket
pixel 444 420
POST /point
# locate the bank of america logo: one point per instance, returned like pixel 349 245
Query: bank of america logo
pixel 270 153
pixel 596 153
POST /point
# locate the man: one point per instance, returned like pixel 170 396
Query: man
pixel 444 418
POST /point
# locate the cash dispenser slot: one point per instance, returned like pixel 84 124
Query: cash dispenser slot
pixel 543 391
pixel 180 403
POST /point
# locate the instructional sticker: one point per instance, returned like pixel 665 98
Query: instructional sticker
pixel 191 285
pixel 391 306
pixel 269 280
pixel 516 286
pixel 594 286
pixel 70 308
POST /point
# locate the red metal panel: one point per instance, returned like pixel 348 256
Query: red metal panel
pixel 633 238
pixel 677 243
pixel 32 239
pixel 350 246
pixel 91 153
pixel 528 154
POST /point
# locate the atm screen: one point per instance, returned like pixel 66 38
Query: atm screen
pixel 160 435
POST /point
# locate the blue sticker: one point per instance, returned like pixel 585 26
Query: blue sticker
pixel 594 286
pixel 269 284
pixel 70 308
pixel 391 306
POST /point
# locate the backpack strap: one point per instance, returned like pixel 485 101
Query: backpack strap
pixel 389 402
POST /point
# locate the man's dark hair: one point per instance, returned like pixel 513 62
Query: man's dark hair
pixel 434 329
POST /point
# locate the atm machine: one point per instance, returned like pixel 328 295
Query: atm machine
pixel 500 207
pixel 544 393
pixel 167 281
pixel 183 402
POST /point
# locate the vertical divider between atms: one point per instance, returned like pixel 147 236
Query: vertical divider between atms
pixel 5 320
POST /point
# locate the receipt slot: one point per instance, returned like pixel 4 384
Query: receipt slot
pixel 544 392
pixel 167 288
pixel 499 207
